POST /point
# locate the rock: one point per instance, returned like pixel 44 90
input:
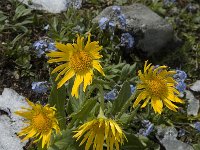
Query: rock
pixel 193 104
pixel 151 31
pixel 196 86
pixel 167 137
pixel 10 123
pixel 52 6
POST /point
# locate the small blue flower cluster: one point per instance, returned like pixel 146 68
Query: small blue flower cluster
pixel 132 88
pixel 112 95
pixel 197 126
pixel 40 87
pixel 116 19
pixel 180 78
pixel 148 128
pixel 127 40
pixel 76 4
pixel 42 46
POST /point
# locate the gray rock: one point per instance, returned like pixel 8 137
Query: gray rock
pixel 152 31
pixel 196 86
pixel 52 6
pixel 167 137
pixel 193 104
pixel 10 123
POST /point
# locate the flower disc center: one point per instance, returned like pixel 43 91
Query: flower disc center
pixel 156 87
pixel 81 61
pixel 41 122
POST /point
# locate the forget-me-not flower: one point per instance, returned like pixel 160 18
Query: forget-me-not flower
pixel 112 95
pixel 127 40
pixel 40 87
pixel 180 78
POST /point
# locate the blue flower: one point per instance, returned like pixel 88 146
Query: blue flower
pixel 180 75
pixel 43 46
pixel 112 95
pixel 51 47
pixel 148 128
pixel 127 40
pixel 40 47
pixel 132 88
pixel 122 21
pixel 197 126
pixel 180 78
pixel 117 18
pixel 117 10
pixel 76 4
pixel 181 86
pixel 40 87
pixel 103 22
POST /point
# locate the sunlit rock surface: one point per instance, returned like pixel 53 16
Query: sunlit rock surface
pixel 52 6
pixel 167 137
pixel 193 104
pixel 10 123
pixel 196 86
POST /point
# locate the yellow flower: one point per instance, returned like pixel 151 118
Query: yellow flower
pixel 41 122
pixel 78 60
pixel 157 85
pixel 99 130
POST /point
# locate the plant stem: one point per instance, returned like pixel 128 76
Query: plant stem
pixel 126 105
pixel 133 113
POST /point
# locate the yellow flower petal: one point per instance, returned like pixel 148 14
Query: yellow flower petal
pixel 170 105
pixel 87 79
pixel 68 75
pixel 77 82
pixel 59 68
pixel 157 104
pixel 57 60
pixel 145 102
pixel 79 58
pixel 65 70
pixel 99 131
pixel 158 86
pixel 41 122
pixel 140 97
pixel 97 66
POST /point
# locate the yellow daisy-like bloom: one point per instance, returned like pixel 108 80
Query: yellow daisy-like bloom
pixel 99 130
pixel 41 121
pixel 157 85
pixel 78 60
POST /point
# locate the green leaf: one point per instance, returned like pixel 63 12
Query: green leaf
pixel 85 109
pixel 2 17
pixel 57 98
pixel 132 69
pixel 196 146
pixel 55 24
pixel 17 38
pixel 125 71
pixel 123 96
pixel 73 104
pixel 149 143
pixel 64 141
pixel 24 23
pixel 133 143
pixel 20 12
